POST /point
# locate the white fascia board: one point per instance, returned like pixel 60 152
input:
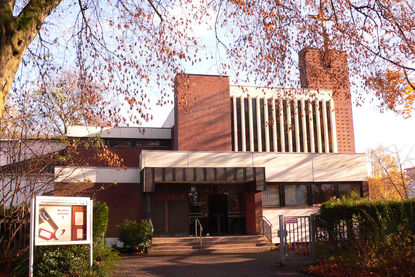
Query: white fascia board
pixel 279 167
pixel 160 158
pixel 284 93
pixel 338 167
pixel 119 132
pixel 285 167
pixel 220 159
pixel 94 174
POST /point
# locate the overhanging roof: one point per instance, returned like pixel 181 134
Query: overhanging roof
pixel 152 175
pixel 280 167
pixel 119 132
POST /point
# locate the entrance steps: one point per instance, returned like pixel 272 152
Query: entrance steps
pixel 212 244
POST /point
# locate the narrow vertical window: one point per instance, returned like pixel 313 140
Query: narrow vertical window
pixel 301 126
pixel 238 120
pixel 247 127
pixel 255 125
pixel 262 113
pixel 330 137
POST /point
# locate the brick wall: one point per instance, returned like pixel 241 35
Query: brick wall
pixel 124 200
pixel 202 113
pixel 89 157
pixel 314 75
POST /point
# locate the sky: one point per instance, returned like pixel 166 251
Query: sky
pixel 373 129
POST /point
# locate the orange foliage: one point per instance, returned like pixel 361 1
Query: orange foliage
pixel 388 179
pixel 134 47
pixel 395 91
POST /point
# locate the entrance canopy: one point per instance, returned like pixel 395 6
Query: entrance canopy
pixel 152 175
pixel 280 167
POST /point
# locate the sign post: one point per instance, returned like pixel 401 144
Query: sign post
pixel 32 233
pixel 60 221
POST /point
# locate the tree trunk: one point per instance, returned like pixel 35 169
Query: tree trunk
pixel 16 34
pixel 9 61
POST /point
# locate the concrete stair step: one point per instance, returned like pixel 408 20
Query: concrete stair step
pixel 168 247
pixel 225 239
pixel 196 246
pixel 212 250
pixel 208 242
pixel 216 244
pixel 237 245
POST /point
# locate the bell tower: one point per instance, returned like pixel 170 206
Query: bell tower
pixel 316 74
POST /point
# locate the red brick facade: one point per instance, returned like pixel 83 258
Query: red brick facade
pixel 125 201
pixel 314 75
pixel 202 113
pixel 130 156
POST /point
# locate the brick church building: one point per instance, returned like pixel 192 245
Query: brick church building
pixel 231 155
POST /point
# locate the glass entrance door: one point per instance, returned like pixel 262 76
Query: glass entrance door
pixel 218 213
pixel 219 208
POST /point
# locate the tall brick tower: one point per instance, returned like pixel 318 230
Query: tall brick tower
pixel 315 75
pixel 201 114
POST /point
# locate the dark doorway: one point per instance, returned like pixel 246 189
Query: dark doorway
pixel 218 213
pixel 169 209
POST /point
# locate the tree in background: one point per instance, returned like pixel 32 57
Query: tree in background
pixel 133 46
pixel 63 101
pixel 389 179
pixel 411 173
pixel 28 157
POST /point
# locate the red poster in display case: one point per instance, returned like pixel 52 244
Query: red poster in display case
pixel 78 222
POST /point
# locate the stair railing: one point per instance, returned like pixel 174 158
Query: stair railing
pixel 266 228
pixel 152 230
pixel 198 226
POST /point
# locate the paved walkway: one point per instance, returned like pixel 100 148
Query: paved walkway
pixel 253 265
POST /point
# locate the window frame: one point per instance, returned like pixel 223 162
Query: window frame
pixel 279 195
pixel 309 200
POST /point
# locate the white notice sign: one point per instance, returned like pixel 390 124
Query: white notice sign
pixel 62 220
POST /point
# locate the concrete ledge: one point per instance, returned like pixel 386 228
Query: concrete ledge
pixel 279 167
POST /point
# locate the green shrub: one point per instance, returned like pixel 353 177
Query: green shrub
pixel 70 260
pixel 100 220
pixel 135 236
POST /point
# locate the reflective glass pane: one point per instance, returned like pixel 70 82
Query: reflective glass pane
pixel 271 196
pixel 295 195
pixel 322 193
pixel 347 189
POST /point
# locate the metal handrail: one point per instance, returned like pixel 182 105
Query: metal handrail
pixel 198 224
pixel 266 219
pixel 152 230
pixel 152 226
pixel 266 234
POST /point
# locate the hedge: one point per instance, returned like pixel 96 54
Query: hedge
pixel 371 237
pixel 359 217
